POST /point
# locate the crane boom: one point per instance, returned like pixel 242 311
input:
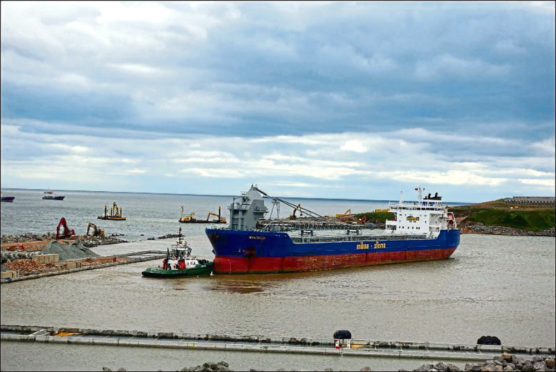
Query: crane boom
pixel 289 204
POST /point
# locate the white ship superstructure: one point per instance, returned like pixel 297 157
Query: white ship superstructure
pixel 425 216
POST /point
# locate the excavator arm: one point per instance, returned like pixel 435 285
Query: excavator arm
pixel 66 233
pixel 96 230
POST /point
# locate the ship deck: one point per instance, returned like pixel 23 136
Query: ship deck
pixel 353 237
pixel 314 231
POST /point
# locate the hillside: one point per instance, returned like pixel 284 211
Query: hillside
pixel 497 214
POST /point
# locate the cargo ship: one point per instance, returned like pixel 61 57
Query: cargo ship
pixel 49 195
pixel 421 230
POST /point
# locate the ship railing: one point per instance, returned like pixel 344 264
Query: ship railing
pixel 351 238
pixel 425 204
pixel 267 225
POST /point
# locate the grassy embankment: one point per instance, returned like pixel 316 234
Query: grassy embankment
pixel 494 213
pixel 498 213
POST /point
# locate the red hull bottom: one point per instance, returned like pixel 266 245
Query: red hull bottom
pixel 243 265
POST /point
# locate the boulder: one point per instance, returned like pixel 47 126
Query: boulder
pixel 507 357
pixel 452 368
pixel 528 366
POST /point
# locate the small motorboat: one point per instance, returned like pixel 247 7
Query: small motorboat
pixel 49 195
pixel 179 263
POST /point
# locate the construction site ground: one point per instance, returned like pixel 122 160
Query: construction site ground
pixel 29 246
pixel 39 265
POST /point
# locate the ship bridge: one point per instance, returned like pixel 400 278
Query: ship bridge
pixel 425 216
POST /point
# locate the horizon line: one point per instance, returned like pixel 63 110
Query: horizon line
pixel 231 196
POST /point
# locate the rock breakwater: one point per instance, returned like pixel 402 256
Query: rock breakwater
pixel 502 363
pixel 87 241
pixel 479 228
pixel 26 237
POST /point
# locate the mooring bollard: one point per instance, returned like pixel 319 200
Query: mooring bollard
pixel 342 337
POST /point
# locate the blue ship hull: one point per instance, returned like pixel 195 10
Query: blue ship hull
pixel 269 252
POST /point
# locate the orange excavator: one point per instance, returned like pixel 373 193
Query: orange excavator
pixel 66 232
pixel 96 231
pixel 188 218
pixel 219 218
pixel 347 216
pixel 297 208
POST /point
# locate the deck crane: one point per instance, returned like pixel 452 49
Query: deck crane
pixel 296 208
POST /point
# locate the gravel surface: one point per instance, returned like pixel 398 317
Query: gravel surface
pixel 73 251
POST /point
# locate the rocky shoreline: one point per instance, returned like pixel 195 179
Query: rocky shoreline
pixel 504 362
pixel 479 228
pixel 87 241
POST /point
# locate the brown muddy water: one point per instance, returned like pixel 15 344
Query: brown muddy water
pixel 492 285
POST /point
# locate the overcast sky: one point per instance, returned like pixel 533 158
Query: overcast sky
pixel 334 100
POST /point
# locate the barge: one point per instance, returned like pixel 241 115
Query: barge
pixel 115 213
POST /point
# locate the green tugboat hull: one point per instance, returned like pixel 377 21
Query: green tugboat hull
pixel 204 269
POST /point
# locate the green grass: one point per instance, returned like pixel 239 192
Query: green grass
pixel 531 220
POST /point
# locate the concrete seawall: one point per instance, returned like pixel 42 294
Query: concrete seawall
pixel 171 340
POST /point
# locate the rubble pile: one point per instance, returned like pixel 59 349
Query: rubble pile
pixel 87 241
pixel 27 237
pixel 24 265
pixel 10 256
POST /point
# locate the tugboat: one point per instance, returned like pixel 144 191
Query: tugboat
pixel 49 195
pixel 115 213
pixel 180 263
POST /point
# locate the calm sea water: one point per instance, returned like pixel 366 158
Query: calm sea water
pixel 148 215
pixel 492 285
